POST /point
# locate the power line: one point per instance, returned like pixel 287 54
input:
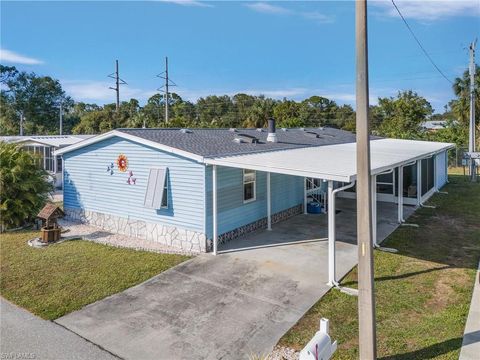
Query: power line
pixel 419 44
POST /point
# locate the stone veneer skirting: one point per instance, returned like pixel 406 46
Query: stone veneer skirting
pixel 182 239
pixel 185 240
pixel 259 224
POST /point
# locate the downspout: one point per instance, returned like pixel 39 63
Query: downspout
pixel 331 231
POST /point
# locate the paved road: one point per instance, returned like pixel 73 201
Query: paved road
pixel 25 336
pixel 230 306
pixel 471 338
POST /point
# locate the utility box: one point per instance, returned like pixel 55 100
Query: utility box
pixel 320 347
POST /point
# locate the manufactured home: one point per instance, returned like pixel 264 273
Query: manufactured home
pixel 44 147
pixel 194 189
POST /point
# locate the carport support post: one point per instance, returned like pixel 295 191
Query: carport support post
pixel 269 203
pixel 331 235
pixel 419 182
pixel 400 194
pixel 214 205
pixel 305 196
pixel 374 210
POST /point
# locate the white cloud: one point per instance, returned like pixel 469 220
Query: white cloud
pixel 266 8
pixel 188 3
pixel 319 17
pixel 13 57
pixel 99 91
pixel 429 10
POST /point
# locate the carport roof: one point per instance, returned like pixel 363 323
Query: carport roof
pixel 334 162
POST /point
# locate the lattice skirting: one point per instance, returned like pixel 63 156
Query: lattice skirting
pixel 259 224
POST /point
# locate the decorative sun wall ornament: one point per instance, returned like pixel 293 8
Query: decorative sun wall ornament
pixel 122 163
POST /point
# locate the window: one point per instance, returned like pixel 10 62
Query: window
pixel 156 195
pixel 249 185
pixel 59 164
pixel 49 164
pixel 165 194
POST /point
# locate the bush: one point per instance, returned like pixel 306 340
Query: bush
pixel 23 186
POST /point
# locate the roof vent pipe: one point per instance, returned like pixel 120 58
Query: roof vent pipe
pixel 272 136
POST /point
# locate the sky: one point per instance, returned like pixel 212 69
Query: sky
pixel 281 49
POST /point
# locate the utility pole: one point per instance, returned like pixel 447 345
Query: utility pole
pixel 21 123
pixel 115 75
pixel 166 89
pixel 366 298
pixel 471 133
pixel 61 119
pixel 168 83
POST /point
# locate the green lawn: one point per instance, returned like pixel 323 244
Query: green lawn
pixel 56 280
pixel 422 293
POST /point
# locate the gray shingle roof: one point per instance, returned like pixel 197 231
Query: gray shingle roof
pixel 220 142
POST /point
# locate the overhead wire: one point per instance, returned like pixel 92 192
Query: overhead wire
pixel 420 44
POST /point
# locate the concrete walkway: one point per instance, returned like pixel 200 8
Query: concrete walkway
pixel 230 306
pixel 471 338
pixel 25 336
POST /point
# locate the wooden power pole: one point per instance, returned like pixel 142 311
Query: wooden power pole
pixel 366 299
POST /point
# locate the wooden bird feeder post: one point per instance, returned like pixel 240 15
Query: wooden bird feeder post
pixel 50 229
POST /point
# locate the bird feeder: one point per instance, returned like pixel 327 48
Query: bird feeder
pixel 50 229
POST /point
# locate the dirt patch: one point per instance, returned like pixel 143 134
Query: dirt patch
pixel 441 296
pixel 443 293
pixel 452 222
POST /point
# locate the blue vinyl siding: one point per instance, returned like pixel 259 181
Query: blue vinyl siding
pixel 287 191
pixel 88 185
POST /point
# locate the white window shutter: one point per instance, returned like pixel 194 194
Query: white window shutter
pixel 155 186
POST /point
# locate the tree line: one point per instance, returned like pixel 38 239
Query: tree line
pixel 39 99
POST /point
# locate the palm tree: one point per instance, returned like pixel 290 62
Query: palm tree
pixel 259 113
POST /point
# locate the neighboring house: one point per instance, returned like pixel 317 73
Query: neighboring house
pixel 44 146
pixel 194 188
pixel 435 125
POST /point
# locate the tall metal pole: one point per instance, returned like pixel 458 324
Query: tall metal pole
pixel 166 89
pixel 117 85
pixel 118 82
pixel 471 137
pixel 21 124
pixel 61 120
pixel 366 299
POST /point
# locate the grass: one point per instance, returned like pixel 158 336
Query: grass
pixel 422 293
pixel 53 281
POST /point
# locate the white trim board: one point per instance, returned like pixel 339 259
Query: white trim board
pixel 136 139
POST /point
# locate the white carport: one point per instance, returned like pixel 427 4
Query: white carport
pixel 333 163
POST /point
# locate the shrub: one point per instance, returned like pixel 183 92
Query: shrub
pixel 23 186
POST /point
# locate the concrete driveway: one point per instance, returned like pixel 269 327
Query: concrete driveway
pixel 229 306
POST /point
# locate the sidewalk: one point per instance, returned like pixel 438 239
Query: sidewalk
pixel 471 338
pixel 26 336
